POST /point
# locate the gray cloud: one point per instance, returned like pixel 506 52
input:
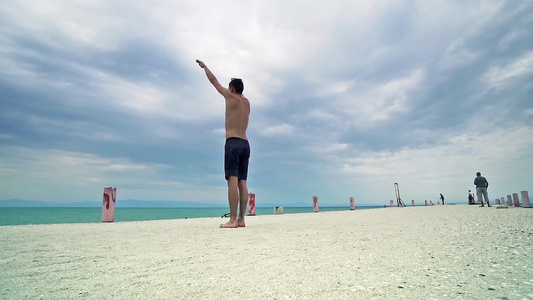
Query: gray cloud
pixel 347 98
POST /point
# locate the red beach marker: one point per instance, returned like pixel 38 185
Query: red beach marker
pixel 251 204
pixel 108 205
pixel 516 200
pixel 315 203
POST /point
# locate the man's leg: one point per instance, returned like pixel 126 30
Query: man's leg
pixel 243 194
pixel 479 196
pixel 233 199
pixel 486 195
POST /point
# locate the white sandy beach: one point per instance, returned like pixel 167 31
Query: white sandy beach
pixel 437 252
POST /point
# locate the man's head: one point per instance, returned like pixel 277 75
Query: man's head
pixel 478 174
pixel 236 85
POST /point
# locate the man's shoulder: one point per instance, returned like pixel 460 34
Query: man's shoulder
pixel 236 98
pixel 231 96
pixel 246 100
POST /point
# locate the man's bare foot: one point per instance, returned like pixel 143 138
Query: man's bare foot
pixel 241 224
pixel 229 224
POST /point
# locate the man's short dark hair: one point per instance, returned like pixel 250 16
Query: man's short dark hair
pixel 237 84
pixel 478 174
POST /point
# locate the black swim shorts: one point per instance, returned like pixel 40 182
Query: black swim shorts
pixel 236 157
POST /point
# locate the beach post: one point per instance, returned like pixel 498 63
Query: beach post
pixel 391 203
pixel 502 201
pixel 413 202
pixel 430 202
pixel 352 203
pixel 251 204
pixel 315 203
pixel 497 201
pixel 525 199
pixel 516 200
pixel 108 205
pixel 426 202
pixel 509 200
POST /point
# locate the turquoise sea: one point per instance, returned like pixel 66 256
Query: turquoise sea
pixel 58 215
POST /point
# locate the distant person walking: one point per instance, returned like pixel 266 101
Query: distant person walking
pixel 237 148
pixel 481 189
pixel 442 199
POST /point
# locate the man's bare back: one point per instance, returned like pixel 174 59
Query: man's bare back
pixel 237 115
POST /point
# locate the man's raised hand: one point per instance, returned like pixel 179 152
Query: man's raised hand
pixel 200 63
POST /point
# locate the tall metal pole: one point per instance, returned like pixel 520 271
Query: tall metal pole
pixel 398 198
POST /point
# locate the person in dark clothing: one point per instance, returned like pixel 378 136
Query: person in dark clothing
pixel 481 188
pixel 442 199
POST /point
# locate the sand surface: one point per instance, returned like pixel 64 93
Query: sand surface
pixel 438 252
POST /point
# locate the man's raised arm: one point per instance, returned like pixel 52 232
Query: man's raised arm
pixel 212 78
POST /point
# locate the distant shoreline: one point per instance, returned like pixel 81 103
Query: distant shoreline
pixel 130 203
pixel 13 216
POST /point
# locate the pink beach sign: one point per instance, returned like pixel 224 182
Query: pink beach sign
pixel 108 205
pixel 251 204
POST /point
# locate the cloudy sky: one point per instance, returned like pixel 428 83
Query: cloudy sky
pixel 347 98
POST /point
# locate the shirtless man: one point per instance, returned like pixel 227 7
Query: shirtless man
pixel 237 149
